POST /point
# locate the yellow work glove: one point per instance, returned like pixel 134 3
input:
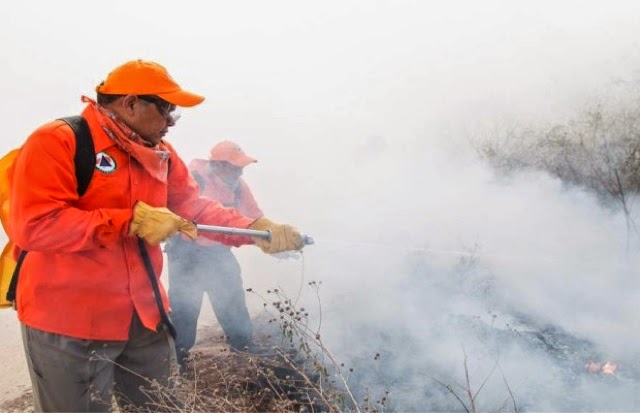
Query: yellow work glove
pixel 283 237
pixel 155 225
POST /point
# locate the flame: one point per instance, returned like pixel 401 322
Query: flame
pixel 594 367
pixel 609 368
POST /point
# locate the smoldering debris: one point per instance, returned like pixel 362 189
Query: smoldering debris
pixel 460 343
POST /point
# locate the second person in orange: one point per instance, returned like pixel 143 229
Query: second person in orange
pixel 207 266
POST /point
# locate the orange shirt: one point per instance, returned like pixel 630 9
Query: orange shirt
pixel 212 187
pixel 84 275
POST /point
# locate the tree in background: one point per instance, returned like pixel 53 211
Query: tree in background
pixel 597 150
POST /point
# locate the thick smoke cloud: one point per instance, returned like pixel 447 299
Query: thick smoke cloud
pixel 519 271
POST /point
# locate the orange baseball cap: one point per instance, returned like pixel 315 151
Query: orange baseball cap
pixel 230 152
pixel 139 77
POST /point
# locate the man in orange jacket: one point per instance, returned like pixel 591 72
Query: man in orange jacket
pixel 92 326
pixel 209 266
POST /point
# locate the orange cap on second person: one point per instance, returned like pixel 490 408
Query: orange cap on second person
pixel 231 152
pixel 139 77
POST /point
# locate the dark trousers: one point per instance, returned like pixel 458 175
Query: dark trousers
pixel 194 270
pixel 75 375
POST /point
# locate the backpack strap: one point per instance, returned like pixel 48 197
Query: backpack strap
pixel 200 180
pixel 11 292
pixel 84 160
pixel 164 316
pixel 201 183
pixel 237 193
pixel 85 156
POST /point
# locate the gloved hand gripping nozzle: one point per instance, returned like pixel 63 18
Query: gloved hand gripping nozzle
pixel 263 233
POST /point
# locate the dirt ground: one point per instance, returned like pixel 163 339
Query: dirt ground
pixel 14 380
pixel 15 387
pixel 217 378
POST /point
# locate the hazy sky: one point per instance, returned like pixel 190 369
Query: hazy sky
pixel 300 73
pixel 357 112
pixel 301 84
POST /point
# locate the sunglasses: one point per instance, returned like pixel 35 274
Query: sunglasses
pixel 165 108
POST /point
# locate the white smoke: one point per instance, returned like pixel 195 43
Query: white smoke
pixel 442 241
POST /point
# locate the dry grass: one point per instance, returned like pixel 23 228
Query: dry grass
pixel 293 372
pixel 597 150
pixel 227 381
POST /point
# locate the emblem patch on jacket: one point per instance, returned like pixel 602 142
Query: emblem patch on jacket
pixel 105 163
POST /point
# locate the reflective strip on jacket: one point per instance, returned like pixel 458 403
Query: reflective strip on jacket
pixel 84 275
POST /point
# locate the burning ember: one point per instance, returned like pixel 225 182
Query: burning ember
pixel 604 368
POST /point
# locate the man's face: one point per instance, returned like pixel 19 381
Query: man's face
pixel 228 172
pixel 148 116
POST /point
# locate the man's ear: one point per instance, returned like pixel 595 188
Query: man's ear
pixel 128 103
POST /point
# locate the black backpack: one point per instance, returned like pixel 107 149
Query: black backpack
pixel 84 160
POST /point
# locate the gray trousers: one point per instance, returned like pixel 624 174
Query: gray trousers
pixel 195 269
pixel 75 375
